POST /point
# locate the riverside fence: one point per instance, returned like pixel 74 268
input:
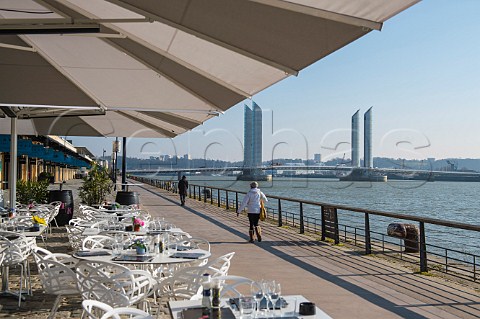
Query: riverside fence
pixel 426 243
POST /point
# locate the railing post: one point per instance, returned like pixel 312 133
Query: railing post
pixel 368 242
pixel 280 221
pixel 194 193
pixel 211 196
pixel 218 197
pixel 423 249
pixel 236 201
pixel 199 193
pixel 324 229
pixel 226 200
pixel 302 225
pixel 190 192
pixel 204 194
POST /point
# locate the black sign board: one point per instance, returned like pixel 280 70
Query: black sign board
pixel 330 224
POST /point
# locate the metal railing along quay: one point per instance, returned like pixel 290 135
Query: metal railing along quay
pixel 433 247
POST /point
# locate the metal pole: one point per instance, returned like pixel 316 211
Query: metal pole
pixel 236 201
pixel 218 198
pixel 423 249
pixel 302 225
pixel 124 163
pixel 12 181
pixel 116 161
pixel 368 241
pixel 280 222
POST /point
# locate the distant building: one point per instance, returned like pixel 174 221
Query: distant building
pixel 317 158
pixel 187 157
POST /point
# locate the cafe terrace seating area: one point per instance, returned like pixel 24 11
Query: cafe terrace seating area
pixel 123 263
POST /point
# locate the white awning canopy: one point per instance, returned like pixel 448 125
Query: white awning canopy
pixel 160 68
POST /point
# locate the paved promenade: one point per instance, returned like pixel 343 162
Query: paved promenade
pixel 340 281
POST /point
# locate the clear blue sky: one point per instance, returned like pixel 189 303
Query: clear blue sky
pixel 421 74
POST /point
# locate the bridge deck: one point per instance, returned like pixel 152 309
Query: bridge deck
pixel 340 281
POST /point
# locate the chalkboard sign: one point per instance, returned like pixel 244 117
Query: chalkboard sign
pixel 330 224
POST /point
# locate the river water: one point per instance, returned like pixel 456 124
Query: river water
pixel 452 201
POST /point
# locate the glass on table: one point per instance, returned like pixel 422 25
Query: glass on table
pixel 246 305
pixel 275 293
pixel 256 288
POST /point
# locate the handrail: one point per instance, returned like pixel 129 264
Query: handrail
pixel 428 220
pixel 414 241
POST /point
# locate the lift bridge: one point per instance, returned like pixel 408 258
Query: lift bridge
pixel 340 171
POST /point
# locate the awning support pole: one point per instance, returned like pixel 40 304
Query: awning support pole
pixel 12 181
pixel 124 164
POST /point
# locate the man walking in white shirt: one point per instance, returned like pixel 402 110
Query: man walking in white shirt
pixel 252 202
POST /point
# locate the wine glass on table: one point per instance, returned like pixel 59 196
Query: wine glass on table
pixel 256 288
pixel 275 293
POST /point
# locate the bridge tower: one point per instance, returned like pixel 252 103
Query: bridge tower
pixel 252 149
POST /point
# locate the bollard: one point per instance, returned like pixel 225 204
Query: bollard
pixel 408 232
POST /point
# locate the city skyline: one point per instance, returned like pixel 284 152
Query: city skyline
pixel 419 73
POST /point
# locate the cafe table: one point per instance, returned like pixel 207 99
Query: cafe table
pixel 289 312
pixel 130 257
pixel 91 231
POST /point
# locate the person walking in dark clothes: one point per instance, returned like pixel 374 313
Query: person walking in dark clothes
pixel 182 189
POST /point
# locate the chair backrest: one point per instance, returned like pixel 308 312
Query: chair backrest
pixel 234 286
pixel 113 284
pixel 16 251
pixel 97 241
pixel 94 309
pixel 132 313
pixel 195 242
pixel 219 266
pixel 56 277
pixel 75 237
pixel 184 284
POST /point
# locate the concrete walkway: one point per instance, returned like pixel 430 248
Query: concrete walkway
pixel 340 281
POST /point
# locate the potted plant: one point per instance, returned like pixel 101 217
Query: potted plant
pixel 140 246
pixel 137 223
pixel 37 221
pixel 32 191
pixel 96 186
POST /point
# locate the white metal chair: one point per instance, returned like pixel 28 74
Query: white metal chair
pixel 16 253
pixel 234 286
pixel 113 284
pixel 75 237
pixel 187 282
pixel 94 309
pixel 97 241
pixel 57 278
pixel 129 313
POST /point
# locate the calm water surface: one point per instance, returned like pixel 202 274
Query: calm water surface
pixel 452 201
